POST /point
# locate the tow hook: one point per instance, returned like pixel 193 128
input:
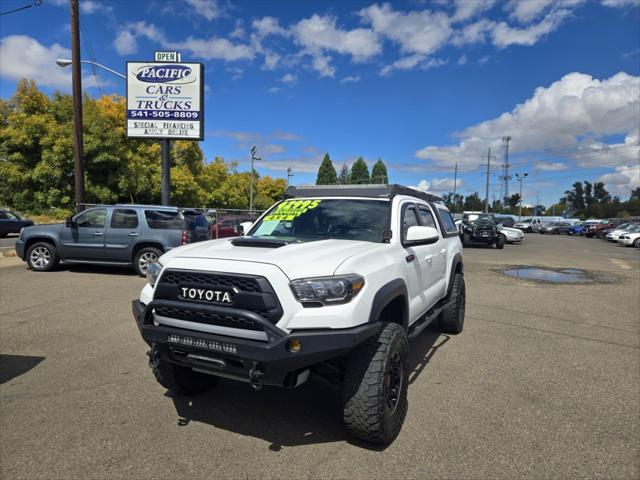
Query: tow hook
pixel 154 356
pixel 255 376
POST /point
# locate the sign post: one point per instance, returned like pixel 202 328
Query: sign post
pixel 165 102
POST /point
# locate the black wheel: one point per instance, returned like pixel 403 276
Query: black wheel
pixel 636 243
pixel 375 386
pixel 42 257
pixel 452 318
pixel 144 257
pixel 500 242
pixel 181 380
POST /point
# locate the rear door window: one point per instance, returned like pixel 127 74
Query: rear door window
pixel 447 220
pixel 121 218
pixel 164 220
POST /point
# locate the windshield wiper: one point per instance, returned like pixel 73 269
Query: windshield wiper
pixel 261 242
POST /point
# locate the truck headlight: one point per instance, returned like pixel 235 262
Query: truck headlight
pixel 153 272
pixel 327 290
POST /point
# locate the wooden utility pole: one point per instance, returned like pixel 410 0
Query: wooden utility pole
pixel 77 104
pixel 486 198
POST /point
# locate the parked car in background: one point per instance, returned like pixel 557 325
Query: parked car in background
pixel 124 235
pixel 11 222
pixel 615 233
pixel 505 220
pixel 511 235
pixel 534 224
pixel 227 226
pixel 630 238
pixel 480 228
pixel 555 228
pixel 597 229
pixel 577 229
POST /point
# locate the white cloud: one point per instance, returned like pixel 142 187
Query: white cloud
pixel 289 79
pixel 528 10
pixel 462 60
pixel 209 9
pixel 213 49
pixel 271 60
pixel 238 31
pixel 24 57
pixel 483 60
pixel 416 32
pixel 569 109
pixel 551 166
pixel 473 33
pixel 625 178
pixel 620 3
pixel 439 185
pixel 92 6
pixel 466 9
pixel 504 35
pixel 322 65
pixel 350 79
pixel 125 42
pixel 268 26
pixel 273 89
pixel 412 61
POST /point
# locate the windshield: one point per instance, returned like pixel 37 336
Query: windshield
pixel 320 219
pixel 526 221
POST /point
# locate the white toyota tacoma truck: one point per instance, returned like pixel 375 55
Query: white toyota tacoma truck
pixel 331 281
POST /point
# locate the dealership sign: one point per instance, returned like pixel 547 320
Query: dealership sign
pixel 164 100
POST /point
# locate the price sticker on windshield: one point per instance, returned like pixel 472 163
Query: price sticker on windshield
pixel 291 209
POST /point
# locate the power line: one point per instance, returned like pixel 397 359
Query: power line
pixel 36 3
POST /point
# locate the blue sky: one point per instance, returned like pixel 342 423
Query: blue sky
pixel 422 85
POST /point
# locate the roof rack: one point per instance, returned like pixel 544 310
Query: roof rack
pixel 366 190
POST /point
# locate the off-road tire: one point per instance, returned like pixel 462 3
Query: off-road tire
pixel 500 242
pixel 452 318
pixel 42 257
pixel 367 413
pixel 181 380
pixel 145 252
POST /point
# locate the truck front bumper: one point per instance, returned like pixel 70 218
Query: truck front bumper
pixel 282 360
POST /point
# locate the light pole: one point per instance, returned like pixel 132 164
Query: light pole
pixel 521 179
pixel 253 157
pixel 63 62
pixel 289 174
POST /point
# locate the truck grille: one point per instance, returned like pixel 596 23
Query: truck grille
pixel 251 293
pixel 231 321
pixel 244 284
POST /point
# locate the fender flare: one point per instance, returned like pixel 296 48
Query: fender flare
pixel 385 295
pixel 457 261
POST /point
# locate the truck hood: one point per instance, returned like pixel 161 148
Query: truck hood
pixel 296 260
pixel 51 228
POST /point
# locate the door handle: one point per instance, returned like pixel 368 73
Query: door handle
pixel 133 234
pixel 97 234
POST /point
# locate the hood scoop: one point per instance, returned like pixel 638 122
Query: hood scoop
pixel 261 242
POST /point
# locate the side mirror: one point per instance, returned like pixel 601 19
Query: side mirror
pixel 70 223
pixel 418 235
pixel 239 229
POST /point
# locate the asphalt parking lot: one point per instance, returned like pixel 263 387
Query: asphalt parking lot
pixel 543 383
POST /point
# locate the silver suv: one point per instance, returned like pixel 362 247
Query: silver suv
pixel 126 235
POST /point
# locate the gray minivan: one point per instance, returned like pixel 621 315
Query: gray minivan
pixel 127 235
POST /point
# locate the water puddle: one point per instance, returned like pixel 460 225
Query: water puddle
pixel 568 275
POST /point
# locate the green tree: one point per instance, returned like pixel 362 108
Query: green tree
pixel 473 202
pixel 327 172
pixel 575 197
pixel 514 201
pixel 635 194
pixel 600 193
pixel 379 172
pixel 344 178
pixel 359 172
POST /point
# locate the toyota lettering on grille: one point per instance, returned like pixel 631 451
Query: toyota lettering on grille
pixel 206 294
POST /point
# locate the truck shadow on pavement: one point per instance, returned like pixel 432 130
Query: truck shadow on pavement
pixel 12 366
pixel 310 414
